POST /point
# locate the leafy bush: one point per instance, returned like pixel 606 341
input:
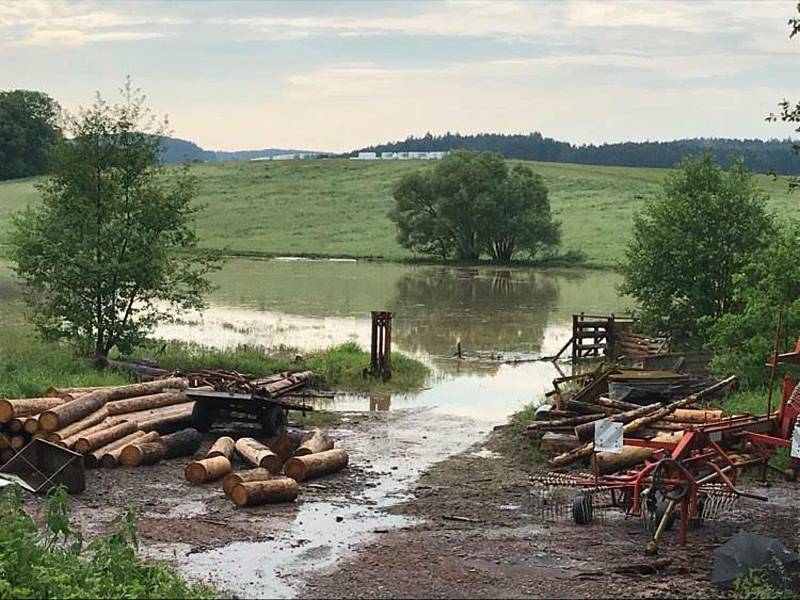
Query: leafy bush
pixel 769 583
pixel 52 561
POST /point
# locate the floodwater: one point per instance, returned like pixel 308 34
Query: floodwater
pixel 505 319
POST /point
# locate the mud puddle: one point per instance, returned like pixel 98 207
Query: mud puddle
pixel 392 449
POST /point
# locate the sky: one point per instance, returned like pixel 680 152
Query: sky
pixel 336 76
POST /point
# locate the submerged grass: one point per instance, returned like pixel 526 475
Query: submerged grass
pixel 53 560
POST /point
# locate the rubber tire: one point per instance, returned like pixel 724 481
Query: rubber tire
pixel 582 509
pixel 273 421
pixel 203 416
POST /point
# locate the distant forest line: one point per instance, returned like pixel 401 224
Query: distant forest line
pixel 761 156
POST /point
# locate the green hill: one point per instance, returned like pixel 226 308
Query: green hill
pixel 338 207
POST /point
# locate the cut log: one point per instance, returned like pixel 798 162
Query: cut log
pixel 315 441
pixel 692 415
pixel 224 446
pixel 92 460
pixel 182 443
pixel 147 453
pixel 72 392
pixel 108 456
pixel 5 441
pixel 585 431
pixel 309 466
pixel 233 479
pixel 586 450
pixel 618 404
pixel 16 425
pixel 606 463
pixel 95 440
pixel 562 423
pixel 91 420
pixel 170 422
pixel 103 425
pixel 76 409
pixel 18 442
pixel 285 444
pixel 25 407
pixel 208 469
pixel 32 424
pixel 555 443
pixel 253 493
pixel 586 408
pixel 257 454
pixel 151 401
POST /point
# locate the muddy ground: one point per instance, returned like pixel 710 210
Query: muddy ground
pixel 503 544
pixel 430 506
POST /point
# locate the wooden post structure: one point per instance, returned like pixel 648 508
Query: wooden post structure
pixel 380 359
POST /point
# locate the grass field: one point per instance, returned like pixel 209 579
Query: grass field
pixel 338 207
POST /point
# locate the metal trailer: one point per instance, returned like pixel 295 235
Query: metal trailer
pixel 270 413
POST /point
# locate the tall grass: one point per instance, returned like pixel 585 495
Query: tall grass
pixel 53 561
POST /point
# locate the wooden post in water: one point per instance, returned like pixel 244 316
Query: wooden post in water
pixel 380 360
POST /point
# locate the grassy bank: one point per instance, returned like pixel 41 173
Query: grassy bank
pixel 52 560
pixel 338 207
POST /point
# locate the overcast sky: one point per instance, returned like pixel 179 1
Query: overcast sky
pixel 339 75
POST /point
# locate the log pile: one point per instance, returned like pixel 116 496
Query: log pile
pixel 565 432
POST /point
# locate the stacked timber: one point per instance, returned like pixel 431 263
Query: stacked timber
pixel 566 431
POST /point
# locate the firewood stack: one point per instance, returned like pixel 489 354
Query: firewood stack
pixel 565 431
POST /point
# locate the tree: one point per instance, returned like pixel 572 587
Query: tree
pixel 28 129
pixel 743 340
pixel 470 204
pixel 689 243
pixel 518 216
pixel 111 250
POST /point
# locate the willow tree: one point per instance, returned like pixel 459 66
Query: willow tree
pixel 111 250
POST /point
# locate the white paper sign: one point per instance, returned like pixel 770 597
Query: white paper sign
pixel 608 436
pixel 796 442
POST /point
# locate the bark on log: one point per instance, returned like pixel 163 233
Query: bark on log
pixel 585 431
pixel 148 453
pixel 586 408
pixel 233 479
pixel 182 443
pixel 208 469
pixel 111 458
pixel 253 493
pixel 692 415
pixel 224 446
pixel 562 423
pixel 151 401
pixel 170 422
pixel 95 440
pixel 285 444
pixel 606 463
pixel 25 407
pixel 309 466
pixel 587 449
pixel 618 404
pixel 316 441
pixel 31 425
pixel 78 426
pixel 54 392
pixel 257 454
pixel 69 442
pixel 153 413
pixel 93 459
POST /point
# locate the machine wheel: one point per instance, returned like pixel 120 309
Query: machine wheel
pixel 582 509
pixel 273 421
pixel 203 416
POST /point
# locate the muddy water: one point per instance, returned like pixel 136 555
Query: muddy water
pixel 505 319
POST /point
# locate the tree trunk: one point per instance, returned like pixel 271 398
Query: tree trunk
pixel 690 415
pixel 309 466
pixel 108 456
pixel 316 441
pixel 561 423
pixel 606 463
pixel 253 493
pixel 93 459
pixel 233 479
pixel 25 407
pixel 31 425
pixel 585 431
pixel 208 469
pixel 169 422
pixel 257 454
pixel 182 443
pixel 77 427
pixel 149 453
pixel 73 392
pixel 149 402
pixel 102 426
pixel 224 446
pixel 95 440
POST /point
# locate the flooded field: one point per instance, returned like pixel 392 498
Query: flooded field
pixel 504 319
